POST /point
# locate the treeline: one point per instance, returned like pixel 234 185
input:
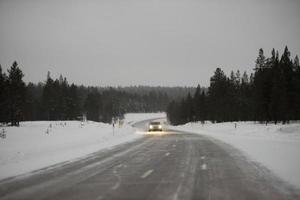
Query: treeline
pixel 270 94
pixel 172 92
pixel 56 99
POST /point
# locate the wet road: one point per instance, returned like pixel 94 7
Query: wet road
pixel 173 165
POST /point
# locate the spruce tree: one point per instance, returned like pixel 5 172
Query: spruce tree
pixel 197 103
pixel 93 106
pixel 17 93
pixel 4 112
pixel 48 99
pixel 218 96
pixel 286 66
pixel 296 83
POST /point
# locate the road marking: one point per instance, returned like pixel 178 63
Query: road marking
pixel 167 154
pixel 202 157
pixel 147 173
pixel 204 166
pixel 116 186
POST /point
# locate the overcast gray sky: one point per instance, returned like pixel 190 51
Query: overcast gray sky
pixel 143 42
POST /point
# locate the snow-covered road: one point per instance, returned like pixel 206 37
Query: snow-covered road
pixel 237 159
pixel 36 145
pixel 275 146
pixel 169 165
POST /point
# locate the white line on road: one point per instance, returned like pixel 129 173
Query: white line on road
pixel 147 173
pixel 202 157
pixel 204 166
pixel 167 154
pixel 116 186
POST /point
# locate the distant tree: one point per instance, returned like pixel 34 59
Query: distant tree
pixel 286 66
pixel 197 104
pixel 203 107
pixel 262 84
pixel 4 103
pixel 238 78
pixel 72 103
pixel 48 98
pixel 260 61
pixel 296 83
pixel 93 106
pixel 246 99
pixel 218 96
pixel 245 78
pixel 190 113
pixel 17 93
pixel 31 103
pixel 173 113
pixel 271 93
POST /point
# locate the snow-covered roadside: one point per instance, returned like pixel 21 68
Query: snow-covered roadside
pixel 35 145
pixel 275 146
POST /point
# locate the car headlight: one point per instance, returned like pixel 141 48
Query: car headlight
pixel 151 127
pixel 159 126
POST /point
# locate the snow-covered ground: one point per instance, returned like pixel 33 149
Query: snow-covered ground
pixel 275 146
pixel 36 145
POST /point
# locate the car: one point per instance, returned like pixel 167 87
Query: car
pixel 155 126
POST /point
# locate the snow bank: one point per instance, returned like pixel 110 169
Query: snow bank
pixel 275 146
pixel 35 145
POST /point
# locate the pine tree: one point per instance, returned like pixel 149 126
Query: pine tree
pixel 72 103
pixel 203 107
pixel 245 95
pixel 93 106
pixel 262 84
pixel 31 104
pixel 296 83
pixel 197 104
pixel 286 66
pixel 48 99
pixel 218 96
pixel 260 61
pixel 17 93
pixel 189 108
pixel 4 112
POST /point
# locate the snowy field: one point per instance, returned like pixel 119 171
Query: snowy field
pixel 36 145
pixel 275 146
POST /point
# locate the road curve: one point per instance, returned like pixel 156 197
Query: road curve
pixel 173 165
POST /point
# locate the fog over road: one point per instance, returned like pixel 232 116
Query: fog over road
pixel 172 165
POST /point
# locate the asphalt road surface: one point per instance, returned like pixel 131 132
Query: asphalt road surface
pixel 173 165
